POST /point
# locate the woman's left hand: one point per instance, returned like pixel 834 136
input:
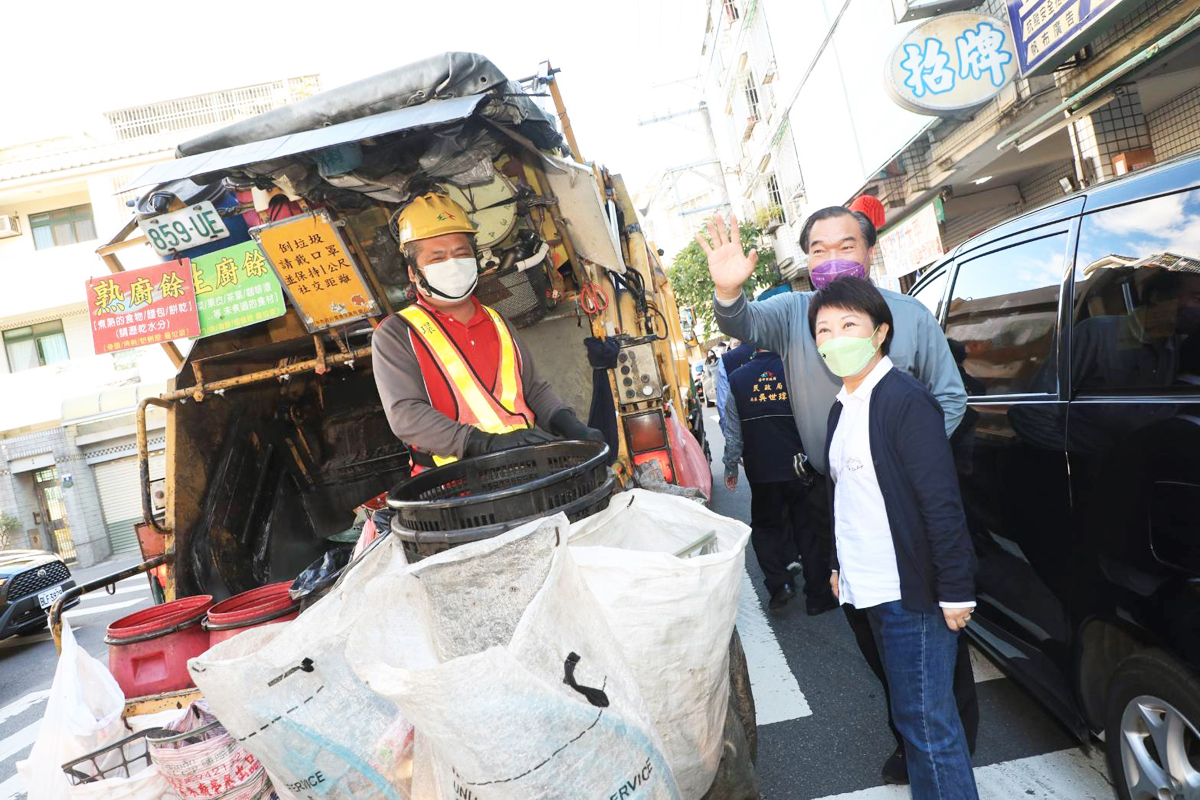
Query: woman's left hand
pixel 957 618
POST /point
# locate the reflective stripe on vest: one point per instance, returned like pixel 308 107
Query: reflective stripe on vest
pixel 476 404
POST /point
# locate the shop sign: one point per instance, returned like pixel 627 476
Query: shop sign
pixel 316 269
pixel 144 306
pixel 1048 32
pixel 951 62
pixel 913 243
pixel 235 287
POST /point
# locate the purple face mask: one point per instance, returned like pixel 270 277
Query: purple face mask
pixel 824 274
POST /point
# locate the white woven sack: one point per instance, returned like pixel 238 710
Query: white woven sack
pixel 673 616
pixel 286 694
pixel 502 659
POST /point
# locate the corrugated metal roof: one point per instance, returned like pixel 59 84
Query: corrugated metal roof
pixel 82 157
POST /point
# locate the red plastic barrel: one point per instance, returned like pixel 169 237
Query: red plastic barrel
pixel 148 651
pixel 261 606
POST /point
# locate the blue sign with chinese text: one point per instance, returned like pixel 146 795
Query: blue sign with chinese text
pixel 1048 32
pixel 951 62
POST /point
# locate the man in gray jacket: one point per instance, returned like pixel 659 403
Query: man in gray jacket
pixel 838 242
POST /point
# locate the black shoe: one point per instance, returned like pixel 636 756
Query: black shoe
pixel 820 605
pixel 781 597
pixel 895 769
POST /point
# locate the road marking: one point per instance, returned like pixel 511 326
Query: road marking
pixel 19 740
pixel 13 788
pixel 777 695
pixel 24 641
pixel 20 706
pixel 83 612
pixel 100 593
pixel 983 667
pixel 715 417
pixel 1064 775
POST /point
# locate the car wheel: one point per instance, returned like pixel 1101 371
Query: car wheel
pixel 1152 728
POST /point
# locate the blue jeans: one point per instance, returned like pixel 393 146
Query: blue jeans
pixel 918 653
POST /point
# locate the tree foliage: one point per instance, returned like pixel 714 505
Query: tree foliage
pixel 694 287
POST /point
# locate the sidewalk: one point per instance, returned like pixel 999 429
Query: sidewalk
pixel 115 564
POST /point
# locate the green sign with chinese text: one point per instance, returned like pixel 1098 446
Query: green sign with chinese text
pixel 235 287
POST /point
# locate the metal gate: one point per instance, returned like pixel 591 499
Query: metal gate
pixel 54 511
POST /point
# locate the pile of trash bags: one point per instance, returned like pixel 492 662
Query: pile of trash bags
pixel 554 660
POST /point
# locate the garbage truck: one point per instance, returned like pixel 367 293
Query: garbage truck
pixel 278 450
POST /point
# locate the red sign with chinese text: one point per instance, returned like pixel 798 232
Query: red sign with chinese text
pixel 144 306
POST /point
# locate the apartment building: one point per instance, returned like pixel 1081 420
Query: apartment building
pixel 804 118
pixel 68 465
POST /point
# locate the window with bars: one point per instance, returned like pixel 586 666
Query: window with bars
pixel 751 91
pixel 63 226
pixel 35 346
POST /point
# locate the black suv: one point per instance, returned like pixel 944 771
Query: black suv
pixel 1077 332
pixel 30 581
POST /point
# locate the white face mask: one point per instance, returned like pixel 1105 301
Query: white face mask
pixel 455 277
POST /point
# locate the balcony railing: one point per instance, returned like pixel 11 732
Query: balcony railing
pixel 214 108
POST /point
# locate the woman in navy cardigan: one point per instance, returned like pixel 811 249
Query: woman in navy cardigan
pixel 903 553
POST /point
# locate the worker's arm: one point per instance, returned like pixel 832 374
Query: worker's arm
pixel 402 389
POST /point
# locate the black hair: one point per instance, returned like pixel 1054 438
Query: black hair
pixel 864 223
pixel 853 294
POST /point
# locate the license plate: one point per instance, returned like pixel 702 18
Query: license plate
pixel 47 598
pixel 188 227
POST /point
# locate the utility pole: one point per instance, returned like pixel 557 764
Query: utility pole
pixel 711 141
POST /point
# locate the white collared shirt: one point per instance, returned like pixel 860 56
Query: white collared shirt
pixel 866 553
pixel 867 557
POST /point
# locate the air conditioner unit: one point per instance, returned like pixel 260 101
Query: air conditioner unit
pixel 10 225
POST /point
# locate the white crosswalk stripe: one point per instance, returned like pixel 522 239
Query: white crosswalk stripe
pixel 84 611
pixel 1064 775
pixel 12 788
pixel 777 695
pixel 20 706
pixel 20 740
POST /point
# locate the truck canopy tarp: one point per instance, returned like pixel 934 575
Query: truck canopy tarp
pixel 439 77
pixel 435 112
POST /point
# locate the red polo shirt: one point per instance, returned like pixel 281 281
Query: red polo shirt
pixel 477 341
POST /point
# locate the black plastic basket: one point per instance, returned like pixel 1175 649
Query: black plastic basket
pixel 133 756
pixel 477 498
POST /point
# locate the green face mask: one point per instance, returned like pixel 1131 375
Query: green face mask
pixel 847 355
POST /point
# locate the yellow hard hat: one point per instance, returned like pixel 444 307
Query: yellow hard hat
pixel 430 215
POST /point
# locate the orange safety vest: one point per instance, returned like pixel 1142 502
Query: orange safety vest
pixel 477 405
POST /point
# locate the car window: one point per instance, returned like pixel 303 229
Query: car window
pixel 933 291
pixel 1001 325
pixel 1137 297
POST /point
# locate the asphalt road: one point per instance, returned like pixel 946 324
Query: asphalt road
pixel 822 724
pixel 27 664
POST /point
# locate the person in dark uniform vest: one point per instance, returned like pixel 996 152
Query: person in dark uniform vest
pixel 760 432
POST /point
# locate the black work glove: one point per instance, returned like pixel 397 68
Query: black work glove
pixel 480 442
pixel 565 424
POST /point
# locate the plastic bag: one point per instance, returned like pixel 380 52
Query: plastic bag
pixel 501 658
pixel 691 466
pixel 674 615
pixel 320 576
pixel 286 694
pixel 145 785
pixel 83 714
pixel 209 762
